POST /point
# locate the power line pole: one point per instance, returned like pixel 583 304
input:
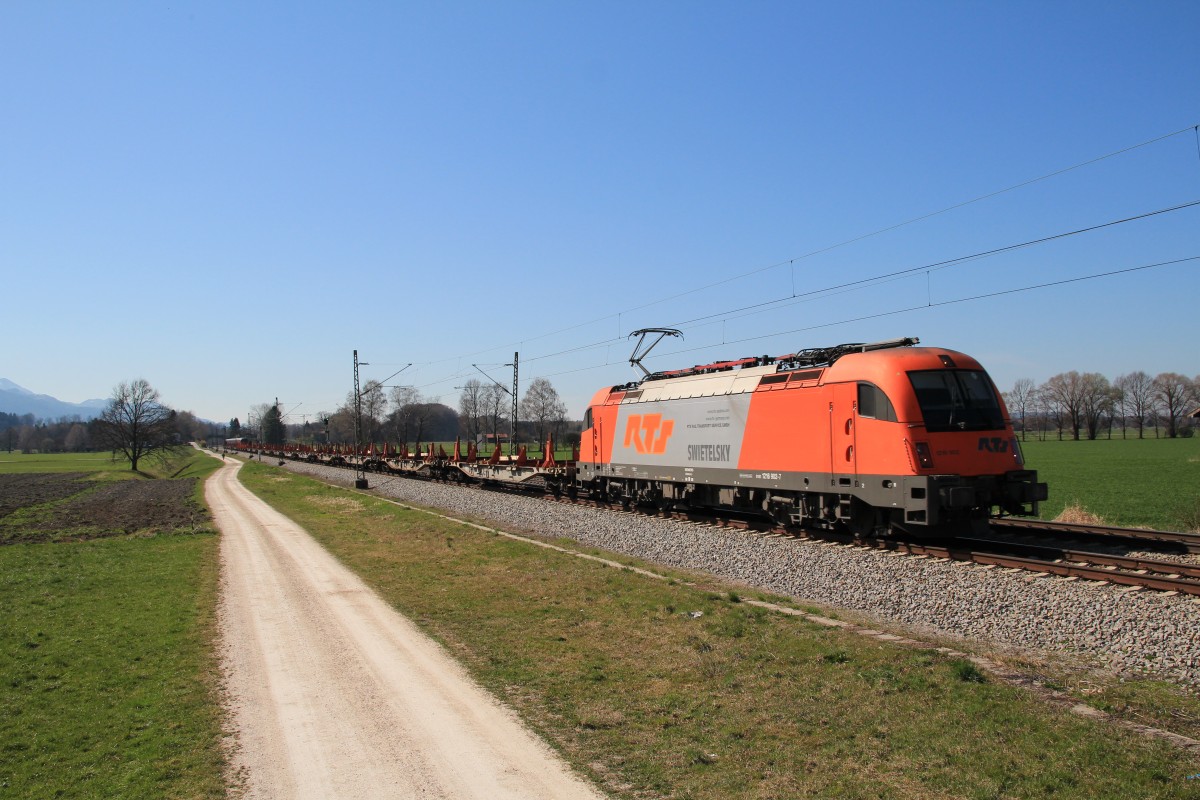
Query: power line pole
pixel 360 477
pixel 512 435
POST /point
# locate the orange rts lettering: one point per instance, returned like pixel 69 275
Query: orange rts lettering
pixel 649 433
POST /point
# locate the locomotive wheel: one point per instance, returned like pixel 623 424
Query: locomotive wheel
pixel 867 521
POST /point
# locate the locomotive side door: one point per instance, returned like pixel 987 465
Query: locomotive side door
pixel 843 421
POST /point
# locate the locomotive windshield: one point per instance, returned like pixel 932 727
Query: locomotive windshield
pixel 957 400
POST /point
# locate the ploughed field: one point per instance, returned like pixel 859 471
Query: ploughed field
pixel 58 506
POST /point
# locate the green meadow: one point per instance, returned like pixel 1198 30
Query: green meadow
pixel 106 645
pixel 679 688
pixel 1152 483
pixel 106 651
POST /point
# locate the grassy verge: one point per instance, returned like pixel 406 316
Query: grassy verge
pixel 106 658
pixel 1149 482
pixel 662 689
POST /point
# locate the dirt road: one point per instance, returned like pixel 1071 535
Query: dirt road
pixel 335 695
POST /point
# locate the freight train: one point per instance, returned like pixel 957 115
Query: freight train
pixel 875 439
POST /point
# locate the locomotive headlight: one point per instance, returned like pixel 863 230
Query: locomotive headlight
pixel 1018 454
pixel 924 456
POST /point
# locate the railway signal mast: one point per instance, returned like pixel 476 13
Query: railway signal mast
pixel 512 424
pixel 360 477
pixel 512 433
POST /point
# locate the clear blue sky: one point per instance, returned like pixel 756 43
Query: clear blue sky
pixel 227 199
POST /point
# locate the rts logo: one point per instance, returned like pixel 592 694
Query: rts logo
pixel 993 445
pixel 648 433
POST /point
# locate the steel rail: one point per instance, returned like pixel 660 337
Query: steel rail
pixel 1171 582
pixel 1190 542
pixel 1049 552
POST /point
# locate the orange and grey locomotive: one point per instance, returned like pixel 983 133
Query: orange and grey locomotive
pixel 872 438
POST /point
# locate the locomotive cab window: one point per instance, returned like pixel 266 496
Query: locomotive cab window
pixel 957 400
pixel 872 402
pixel 587 419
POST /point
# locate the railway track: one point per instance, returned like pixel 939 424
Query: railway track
pixel 1140 572
pixel 1170 541
pixel 1066 561
pixel 1165 576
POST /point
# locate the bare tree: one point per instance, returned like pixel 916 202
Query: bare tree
pixel 1113 408
pixel 1095 400
pixel 254 422
pixel 340 426
pixel 495 401
pixel 1121 406
pixel 1173 392
pixel 471 408
pixel 27 438
pixel 541 405
pixel 1065 395
pixel 374 406
pixel 408 415
pixel 77 438
pixel 188 426
pixel 1020 399
pixel 1041 412
pixel 137 424
pixel 559 423
pixel 1137 397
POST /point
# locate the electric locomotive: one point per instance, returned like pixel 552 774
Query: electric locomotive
pixel 872 438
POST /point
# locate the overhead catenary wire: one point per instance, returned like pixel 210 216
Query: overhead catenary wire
pixel 940 265
pixel 929 303
pixel 778 302
pixel 841 288
pixel 884 314
pixel 819 251
pixel 909 309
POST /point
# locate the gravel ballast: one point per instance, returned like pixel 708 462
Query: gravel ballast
pixel 1129 631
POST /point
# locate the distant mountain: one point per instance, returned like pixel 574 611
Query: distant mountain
pixel 16 399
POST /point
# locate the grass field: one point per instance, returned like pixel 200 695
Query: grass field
pixel 1152 483
pixel 105 650
pixel 651 699
pixel 105 653
pixel 97 463
pixel 102 466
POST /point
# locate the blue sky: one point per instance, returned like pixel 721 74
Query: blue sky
pixel 228 199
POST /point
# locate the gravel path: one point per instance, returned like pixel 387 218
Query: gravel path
pixel 1139 631
pixel 332 694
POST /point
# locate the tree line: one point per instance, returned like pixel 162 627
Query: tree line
pixel 1084 404
pixel 404 415
pixel 74 434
